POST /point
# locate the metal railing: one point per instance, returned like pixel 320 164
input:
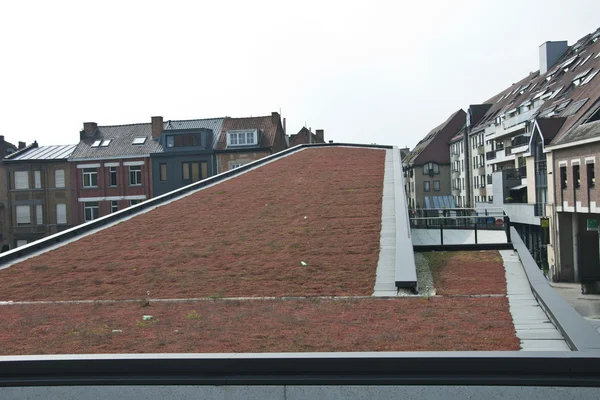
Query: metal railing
pixel 490 155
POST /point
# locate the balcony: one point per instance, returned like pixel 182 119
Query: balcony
pixel 521 140
pixel 518 119
pixel 523 213
pixel 507 151
pixel 490 155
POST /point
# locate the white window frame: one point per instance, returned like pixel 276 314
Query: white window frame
pixel 21 180
pixel 134 202
pixel 240 137
pixel 61 214
pixel 89 172
pixel 59 178
pixel 21 242
pixel 91 206
pixel 135 172
pixel 39 214
pixel 23 214
pixel 114 206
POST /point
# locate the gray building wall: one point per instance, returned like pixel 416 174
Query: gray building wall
pixel 174 161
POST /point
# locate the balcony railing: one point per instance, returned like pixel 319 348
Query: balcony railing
pixel 507 151
pixel 511 173
pixel 490 155
pixel 539 209
pixel 520 140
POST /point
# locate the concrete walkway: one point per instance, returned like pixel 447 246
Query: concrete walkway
pixel 533 328
pixel 422 237
pixel 385 281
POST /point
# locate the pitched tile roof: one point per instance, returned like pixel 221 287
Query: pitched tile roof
pixel 302 137
pixel 32 153
pixel 580 61
pixel 267 127
pixel 121 139
pixel 434 146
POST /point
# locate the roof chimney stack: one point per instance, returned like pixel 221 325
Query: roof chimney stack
pixel 320 135
pixel 550 53
pixel 88 130
pixel 157 127
pixel 22 145
pixel 275 117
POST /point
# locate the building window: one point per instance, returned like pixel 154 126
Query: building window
pixel 23 215
pixel 563 177
pixel 134 202
pixel 135 175
pixel 37 179
pixel 59 178
pixel 61 214
pixel 426 186
pixel 114 206
pixel 112 176
pixel 436 186
pixel 431 169
pixel 91 210
pixel 194 171
pixel 163 172
pixel 576 176
pixel 21 179
pixel 591 175
pixel 21 242
pixel 242 138
pixel 193 139
pixel 39 215
pixel 236 165
pixel 90 177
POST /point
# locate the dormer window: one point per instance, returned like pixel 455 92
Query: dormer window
pixel 187 140
pixel 243 137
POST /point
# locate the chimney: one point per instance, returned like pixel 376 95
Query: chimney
pixel 89 128
pixel 320 135
pixel 1 138
pixel 550 52
pixel 284 127
pixel 22 145
pixel 157 127
pixel 275 117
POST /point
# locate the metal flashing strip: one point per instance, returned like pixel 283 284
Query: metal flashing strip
pixel 579 334
pixel 369 368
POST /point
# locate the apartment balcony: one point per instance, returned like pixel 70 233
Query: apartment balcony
pixel 490 155
pixel 507 151
pixel 521 140
pixel 519 119
pixel 502 155
pixel 501 131
pixel 524 213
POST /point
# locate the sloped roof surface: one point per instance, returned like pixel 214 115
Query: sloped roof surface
pixel 59 152
pixel 121 139
pixel 267 129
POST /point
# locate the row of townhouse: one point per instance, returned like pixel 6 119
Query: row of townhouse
pixel 48 189
pixel 530 150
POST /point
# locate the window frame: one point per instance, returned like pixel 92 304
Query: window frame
pixel 563 177
pixel 23 223
pixel 438 186
pixel 91 174
pixel 135 172
pixel 114 206
pixel 112 171
pixel 57 172
pixel 162 174
pixel 91 205
pixel 39 214
pixel 26 173
pixel 591 177
pixel 58 222
pixel 37 179
pixel 134 202
pixel 426 186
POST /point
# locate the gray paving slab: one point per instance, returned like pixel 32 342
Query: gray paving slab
pixel 532 326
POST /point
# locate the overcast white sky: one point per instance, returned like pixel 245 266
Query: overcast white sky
pixel 370 72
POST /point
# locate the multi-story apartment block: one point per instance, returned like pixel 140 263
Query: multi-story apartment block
pixel 39 192
pixel 428 166
pixel 111 169
pixel 538 162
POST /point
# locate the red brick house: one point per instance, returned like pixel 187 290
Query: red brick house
pixel 111 169
pixel 244 140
